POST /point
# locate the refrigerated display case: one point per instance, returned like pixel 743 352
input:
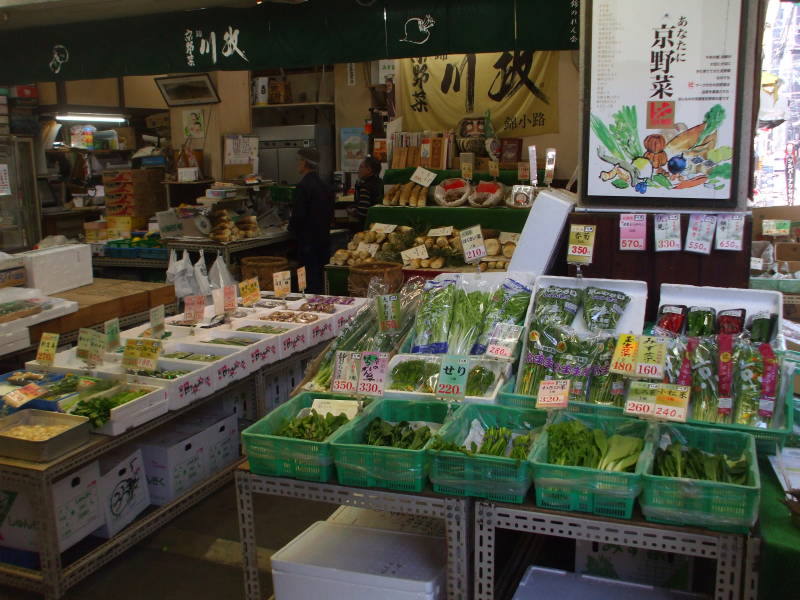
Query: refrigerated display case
pixel 20 213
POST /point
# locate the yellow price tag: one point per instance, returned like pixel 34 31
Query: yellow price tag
pixel 623 362
pixel 467 171
pixel 650 357
pixel 282 283
pixel 301 279
pixel 672 402
pixel 580 248
pixel 141 354
pixel 553 394
pixel 494 168
pixel 250 291
pixel 48 344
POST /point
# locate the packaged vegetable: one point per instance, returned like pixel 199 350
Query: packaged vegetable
pixel 700 321
pixel 602 309
pixel 756 381
pixel 470 304
pixel 671 318
pixel 509 304
pixel 432 323
pixel 705 394
pixel 556 305
pixel 606 388
pixel 761 327
pixel 731 321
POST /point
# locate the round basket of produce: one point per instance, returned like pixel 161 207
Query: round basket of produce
pixel 389 273
pixel 263 267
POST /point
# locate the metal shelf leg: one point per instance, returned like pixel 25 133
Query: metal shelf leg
pixel 484 552
pixel 247 532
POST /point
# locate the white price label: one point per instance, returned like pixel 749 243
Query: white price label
pixel 533 168
pixel 756 264
pixel 502 341
pixel 472 244
pixel 382 228
pixel 700 236
pixel 346 372
pixel 549 165
pixel 423 177
pixel 553 393
pixel 440 231
pixel 668 233
pixel 282 283
pixel 730 232
pixel 417 252
pixel 326 406
pixel 371 249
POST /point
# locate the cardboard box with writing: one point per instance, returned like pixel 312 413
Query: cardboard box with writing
pixel 174 462
pixel 790 213
pixel 123 489
pixel 221 433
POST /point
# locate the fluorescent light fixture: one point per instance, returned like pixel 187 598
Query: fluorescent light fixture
pixel 91 118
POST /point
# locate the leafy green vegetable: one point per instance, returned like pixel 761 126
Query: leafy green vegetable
pixel 604 135
pixel 571 443
pixel 606 388
pixel 690 463
pixel 700 321
pixel 432 324
pixel 705 385
pixel 508 304
pixel 98 408
pixel 469 309
pixel 495 443
pixel 602 309
pixel 312 426
pixel 620 184
pixel 725 170
pixel 414 376
pixel 557 305
pixel 661 180
pixel 479 381
pixel 400 435
pixel 713 119
pixel 626 132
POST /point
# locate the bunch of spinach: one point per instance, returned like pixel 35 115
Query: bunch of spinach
pixel 508 304
pixel 571 443
pixel 312 426
pixel 676 460
pixel 399 435
pixel 432 324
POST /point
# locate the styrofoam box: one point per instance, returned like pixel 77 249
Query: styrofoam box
pixel 58 269
pixel 234 365
pixel 631 321
pixel 380 519
pixel 58 307
pixel 67 361
pixel 14 339
pixel 136 412
pixel 123 489
pixel 539 239
pixel 539 582
pixel 329 561
pixel 221 431
pixel 264 349
pixel 276 339
pixel 295 342
pixel 724 298
pixel 339 318
pixel 174 462
pixel 77 507
pixel 503 367
pixel 176 333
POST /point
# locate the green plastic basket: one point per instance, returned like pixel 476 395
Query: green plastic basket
pixel 492 477
pixel 507 397
pixel 721 506
pixel 270 454
pixel 361 465
pixel 606 493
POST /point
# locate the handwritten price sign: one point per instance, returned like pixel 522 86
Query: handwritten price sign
pixel 346 372
pixel 553 394
pixel 472 243
pixel 250 291
pixel 581 244
pixel 632 231
pixel 668 233
pixel 48 344
pixel 372 373
pixel 282 283
pixel 452 382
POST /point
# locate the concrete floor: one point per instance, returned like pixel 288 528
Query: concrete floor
pixel 197 556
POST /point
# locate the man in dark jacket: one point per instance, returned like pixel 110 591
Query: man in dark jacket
pixel 369 189
pixel 312 213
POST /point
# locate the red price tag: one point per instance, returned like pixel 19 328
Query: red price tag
pixel 633 407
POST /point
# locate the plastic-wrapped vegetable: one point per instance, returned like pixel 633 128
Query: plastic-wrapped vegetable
pixel 761 327
pixel 606 388
pixel 675 357
pixel 700 321
pixel 602 309
pixel 470 304
pixel 556 305
pixel 756 379
pixel 671 318
pixel 416 375
pixel 509 304
pixel 705 394
pixel 432 323
pixel 731 321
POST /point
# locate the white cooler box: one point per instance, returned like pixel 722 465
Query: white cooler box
pixel 59 269
pixel 329 561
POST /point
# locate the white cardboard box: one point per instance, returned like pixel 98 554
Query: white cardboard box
pixel 174 461
pixel 220 429
pixel 77 507
pixel 330 561
pixel 58 269
pixel 123 489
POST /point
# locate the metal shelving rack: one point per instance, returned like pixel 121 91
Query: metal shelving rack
pixel 36 481
pixel 131 263
pixel 727 549
pixel 456 512
pixel 228 249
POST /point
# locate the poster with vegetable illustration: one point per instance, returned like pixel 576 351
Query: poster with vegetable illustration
pixel 662 99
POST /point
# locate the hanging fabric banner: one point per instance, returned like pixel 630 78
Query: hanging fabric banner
pixel 519 88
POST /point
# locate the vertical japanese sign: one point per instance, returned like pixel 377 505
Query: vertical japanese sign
pixel 452 382
pixel 633 231
pixel 301 279
pixel 668 233
pixel 372 373
pixel 48 344
pixel 111 328
pixel 662 99
pixel 700 235
pixel 388 307
pixel 580 247
pixel 157 322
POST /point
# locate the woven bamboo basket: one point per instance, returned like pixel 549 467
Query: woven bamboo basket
pixel 263 267
pixel 388 272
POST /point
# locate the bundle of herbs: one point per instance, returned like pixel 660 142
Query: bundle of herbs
pixel 432 322
pixel 396 435
pixel 606 388
pixel 676 460
pixel 470 304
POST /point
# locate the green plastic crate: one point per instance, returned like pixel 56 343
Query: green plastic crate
pixel 507 397
pixel 606 493
pixel 721 506
pixel 361 465
pixel 277 456
pixel 492 477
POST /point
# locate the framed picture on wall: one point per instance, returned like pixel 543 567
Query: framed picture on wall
pixel 187 90
pixel 662 113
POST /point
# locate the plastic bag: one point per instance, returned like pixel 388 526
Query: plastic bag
pixel 173 266
pixel 509 304
pixel 705 391
pixel 220 275
pixel 606 388
pixel 470 305
pixel 185 283
pixel 432 323
pixel 556 305
pixel 201 276
pixel 487 193
pixel 452 192
pixel 602 309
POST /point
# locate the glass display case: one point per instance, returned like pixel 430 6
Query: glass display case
pixel 20 213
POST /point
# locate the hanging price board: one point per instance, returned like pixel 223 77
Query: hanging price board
pixel 623 361
pixel 91 346
pixel 281 283
pixel 776 227
pixel 21 396
pixel 417 252
pixel 423 177
pixel 553 394
pixel 382 228
pixel 700 235
pixel 250 291
pixel 48 344
pixel 730 232
pixel 633 231
pixel 650 357
pixel 494 169
pixel 346 372
pixel 502 341
pixel 157 321
pixel 141 354
pixel 229 299
pixel 111 328
pixel 388 307
pixel 372 373
pixel 580 248
pixel 549 166
pixel 523 171
pixel 472 244
pixel 452 382
pixel 194 308
pixel 668 233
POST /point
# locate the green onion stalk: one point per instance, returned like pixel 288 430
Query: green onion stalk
pixel 606 388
